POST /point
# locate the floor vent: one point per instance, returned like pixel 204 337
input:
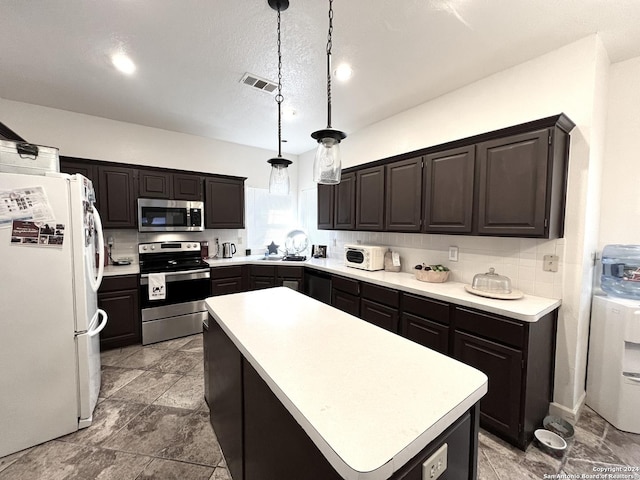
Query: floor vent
pixel 259 83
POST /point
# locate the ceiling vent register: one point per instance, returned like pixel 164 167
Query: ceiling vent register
pixel 259 83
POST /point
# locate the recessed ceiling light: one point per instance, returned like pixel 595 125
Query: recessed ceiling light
pixel 123 63
pixel 343 72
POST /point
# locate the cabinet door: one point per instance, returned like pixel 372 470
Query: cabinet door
pixel 224 206
pixel 187 187
pixel 117 188
pixel 344 217
pixel 85 168
pixel 512 185
pixel 425 332
pixel 500 408
pixel 325 206
pixel 123 326
pixel 380 315
pixel 154 184
pixel 370 199
pixel 346 302
pixel 404 195
pixel 448 191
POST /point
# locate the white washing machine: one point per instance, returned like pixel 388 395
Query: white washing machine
pixel 613 373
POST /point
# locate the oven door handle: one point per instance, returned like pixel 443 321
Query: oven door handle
pixel 179 276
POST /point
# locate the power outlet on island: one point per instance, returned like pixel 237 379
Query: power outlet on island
pixel 435 465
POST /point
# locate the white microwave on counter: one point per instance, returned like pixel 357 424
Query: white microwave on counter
pixel 364 257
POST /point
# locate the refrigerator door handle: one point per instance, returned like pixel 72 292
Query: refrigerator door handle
pixel 95 282
pixel 103 323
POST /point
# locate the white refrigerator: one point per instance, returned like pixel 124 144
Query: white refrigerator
pixel 49 317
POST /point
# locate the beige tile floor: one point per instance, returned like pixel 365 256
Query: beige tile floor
pixel 152 423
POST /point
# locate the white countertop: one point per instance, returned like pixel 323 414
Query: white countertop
pixel 370 400
pixel 528 309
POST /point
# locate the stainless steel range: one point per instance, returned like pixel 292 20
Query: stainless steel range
pixel 184 276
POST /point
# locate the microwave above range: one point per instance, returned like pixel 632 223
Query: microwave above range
pixel 157 215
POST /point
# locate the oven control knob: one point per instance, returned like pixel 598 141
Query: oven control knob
pixel 188 245
pixel 195 245
pixel 144 247
pixel 153 247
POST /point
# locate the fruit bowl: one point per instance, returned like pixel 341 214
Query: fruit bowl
pixel 432 276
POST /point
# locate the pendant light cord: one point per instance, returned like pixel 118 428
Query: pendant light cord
pixel 279 97
pixel 329 45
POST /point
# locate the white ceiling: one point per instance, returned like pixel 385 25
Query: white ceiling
pixel 191 55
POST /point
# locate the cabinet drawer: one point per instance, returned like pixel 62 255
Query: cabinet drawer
pixel 290 272
pixel 380 315
pixel 224 286
pixel 120 282
pixel 426 308
pixel 386 296
pixel 226 272
pixel 345 302
pixel 503 330
pixel 263 270
pixel 346 285
pixel 425 332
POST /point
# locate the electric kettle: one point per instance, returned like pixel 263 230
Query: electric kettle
pixel 228 249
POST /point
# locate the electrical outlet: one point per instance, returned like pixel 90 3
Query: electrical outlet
pixel 550 263
pixel 110 242
pixel 435 465
pixel 453 254
pixel 239 240
pixel 334 242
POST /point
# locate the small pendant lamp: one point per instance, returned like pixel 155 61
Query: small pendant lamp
pixel 279 178
pixel 327 166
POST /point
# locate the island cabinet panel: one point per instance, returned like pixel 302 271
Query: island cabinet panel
pixel 225 280
pixel 448 191
pixel 344 216
pixel 326 196
pixel 154 184
pixel 370 198
pixel 226 397
pixel 403 197
pixel 119 297
pixel 187 187
pixel 512 185
pixel 118 193
pixel 224 202
pixel 275 446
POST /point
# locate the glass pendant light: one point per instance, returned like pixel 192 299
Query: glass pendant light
pixel 279 178
pixel 327 166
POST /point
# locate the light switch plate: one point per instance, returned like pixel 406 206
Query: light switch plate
pixel 453 254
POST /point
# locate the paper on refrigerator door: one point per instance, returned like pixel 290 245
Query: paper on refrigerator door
pixel 26 204
pixel 157 286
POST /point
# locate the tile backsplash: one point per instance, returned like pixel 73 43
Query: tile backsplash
pixel 520 259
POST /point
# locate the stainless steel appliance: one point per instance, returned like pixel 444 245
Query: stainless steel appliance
pixel 159 215
pixel 185 278
pixel 364 257
pixel 228 249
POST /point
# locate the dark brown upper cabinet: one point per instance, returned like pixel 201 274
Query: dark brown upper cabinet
pixel 370 199
pixel 188 187
pixel 224 202
pixel 325 206
pixel 448 191
pixel 519 185
pixel 7 134
pixel 117 189
pixel 154 184
pixel 175 186
pixel 87 169
pixel 344 216
pixel 404 194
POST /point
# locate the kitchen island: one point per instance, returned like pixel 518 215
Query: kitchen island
pixel 299 389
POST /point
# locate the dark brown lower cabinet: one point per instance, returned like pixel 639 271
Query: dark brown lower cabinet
pixel 425 332
pixel 225 280
pixel 380 315
pixel 500 407
pixel 120 298
pixel 347 302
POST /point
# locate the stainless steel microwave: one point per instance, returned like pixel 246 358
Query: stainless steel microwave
pixel 158 215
